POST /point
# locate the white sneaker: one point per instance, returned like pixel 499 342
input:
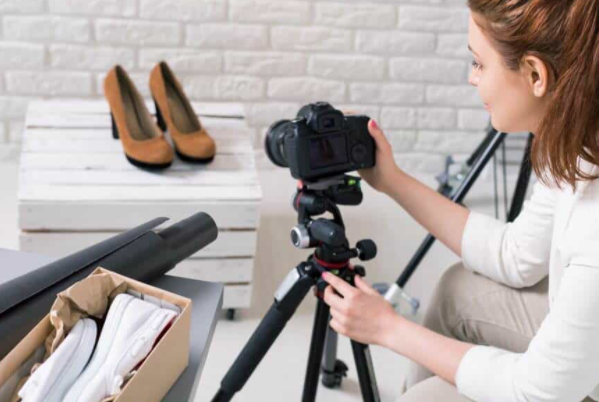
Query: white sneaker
pixel 51 381
pixel 130 331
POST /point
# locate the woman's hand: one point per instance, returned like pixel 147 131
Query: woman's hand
pixel 360 312
pixel 380 177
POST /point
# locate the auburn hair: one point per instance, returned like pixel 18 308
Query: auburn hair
pixel 564 34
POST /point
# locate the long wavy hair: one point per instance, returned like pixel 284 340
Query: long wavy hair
pixel 564 34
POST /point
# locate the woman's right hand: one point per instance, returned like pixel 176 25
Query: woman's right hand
pixel 380 177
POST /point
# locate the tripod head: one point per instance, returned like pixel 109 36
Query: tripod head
pixel 327 236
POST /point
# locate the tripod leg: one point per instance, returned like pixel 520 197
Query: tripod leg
pixel 319 332
pixel 333 370
pixel 330 354
pixel 290 295
pixel 522 183
pixel 368 385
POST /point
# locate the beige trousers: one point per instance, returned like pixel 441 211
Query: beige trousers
pixel 475 309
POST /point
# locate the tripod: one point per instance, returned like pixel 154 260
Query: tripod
pixel 333 369
pixel 332 254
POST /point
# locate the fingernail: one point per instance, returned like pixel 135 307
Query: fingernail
pixel 374 125
pixel 324 275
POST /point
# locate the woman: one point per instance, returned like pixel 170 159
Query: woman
pixel 491 332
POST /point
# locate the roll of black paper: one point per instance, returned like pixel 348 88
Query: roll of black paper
pixel 139 254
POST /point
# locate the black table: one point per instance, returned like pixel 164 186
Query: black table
pixel 207 300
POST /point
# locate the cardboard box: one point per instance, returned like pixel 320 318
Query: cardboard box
pixel 155 377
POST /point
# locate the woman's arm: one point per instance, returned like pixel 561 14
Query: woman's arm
pixel 360 313
pixel 440 354
pixel 515 254
pixel 440 216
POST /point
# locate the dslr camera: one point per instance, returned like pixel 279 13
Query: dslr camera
pixel 321 142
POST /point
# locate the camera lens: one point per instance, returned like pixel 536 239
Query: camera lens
pixel 274 143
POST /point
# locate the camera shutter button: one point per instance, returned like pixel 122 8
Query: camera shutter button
pixel 358 153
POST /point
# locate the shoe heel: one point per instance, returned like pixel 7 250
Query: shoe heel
pixel 159 118
pixel 115 130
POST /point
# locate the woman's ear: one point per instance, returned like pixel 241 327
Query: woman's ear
pixel 536 75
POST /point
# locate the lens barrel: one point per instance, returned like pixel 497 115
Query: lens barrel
pixel 274 143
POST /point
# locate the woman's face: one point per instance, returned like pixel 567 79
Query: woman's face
pixel 507 94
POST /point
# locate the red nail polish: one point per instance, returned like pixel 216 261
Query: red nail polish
pixel 374 125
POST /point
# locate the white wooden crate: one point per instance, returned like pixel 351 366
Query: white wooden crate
pixel 76 188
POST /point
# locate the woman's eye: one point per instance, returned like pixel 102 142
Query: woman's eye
pixel 476 65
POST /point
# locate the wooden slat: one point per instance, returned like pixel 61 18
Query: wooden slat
pixel 229 270
pixel 216 126
pixel 55 145
pixel 100 106
pixel 139 193
pixel 133 178
pixel 118 162
pixel 116 216
pixel 59 244
pixel 225 134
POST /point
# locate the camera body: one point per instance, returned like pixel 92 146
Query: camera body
pixel 321 142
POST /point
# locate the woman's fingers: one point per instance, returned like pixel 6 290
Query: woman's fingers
pixel 339 284
pixel 340 318
pixel 364 286
pixel 332 299
pixel 337 327
pixel 378 135
pixel 375 130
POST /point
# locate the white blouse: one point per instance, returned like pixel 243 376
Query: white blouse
pixel 556 234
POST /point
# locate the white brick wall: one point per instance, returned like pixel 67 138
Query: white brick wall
pixel 403 62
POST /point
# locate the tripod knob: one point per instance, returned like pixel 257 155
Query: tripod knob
pixel 360 270
pixel 366 249
pixel 300 237
pixel 328 232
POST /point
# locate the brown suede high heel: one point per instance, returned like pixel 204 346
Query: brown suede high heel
pixel 144 144
pixel 174 112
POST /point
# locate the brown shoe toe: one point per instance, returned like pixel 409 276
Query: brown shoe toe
pixel 175 114
pixel 156 151
pixel 197 147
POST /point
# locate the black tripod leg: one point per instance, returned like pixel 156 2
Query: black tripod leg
pixel 368 385
pixel 319 333
pixel 295 289
pixel 481 147
pixel 328 361
pixel 522 183
pixel 333 370
pixel 365 368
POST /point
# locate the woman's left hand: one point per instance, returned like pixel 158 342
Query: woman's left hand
pixel 360 312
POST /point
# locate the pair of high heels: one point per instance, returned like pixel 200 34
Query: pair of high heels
pixel 143 139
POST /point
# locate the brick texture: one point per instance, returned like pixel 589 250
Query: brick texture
pixel 404 63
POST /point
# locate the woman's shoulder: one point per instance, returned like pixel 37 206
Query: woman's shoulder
pixel 551 186
pixel 583 226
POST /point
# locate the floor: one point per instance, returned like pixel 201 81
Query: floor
pixel 280 375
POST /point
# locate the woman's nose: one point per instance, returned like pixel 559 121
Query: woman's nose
pixel 473 78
